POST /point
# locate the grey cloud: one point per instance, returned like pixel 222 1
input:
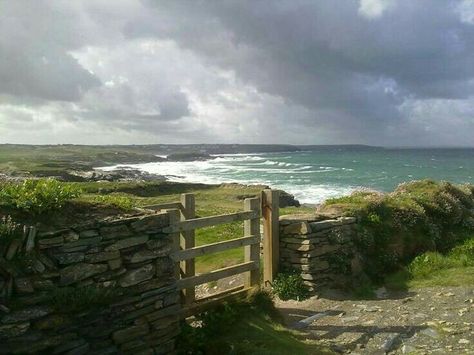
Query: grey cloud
pixel 325 55
pixel 311 71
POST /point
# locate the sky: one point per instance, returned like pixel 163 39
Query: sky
pixel 377 72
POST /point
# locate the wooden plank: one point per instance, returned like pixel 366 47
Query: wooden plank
pixel 214 248
pixel 174 218
pixel 165 206
pixel 216 275
pixel 192 224
pixel 200 307
pixel 271 241
pixel 188 242
pixel 252 251
pixel 220 294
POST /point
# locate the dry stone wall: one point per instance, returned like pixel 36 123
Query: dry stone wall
pixel 102 287
pixel 321 248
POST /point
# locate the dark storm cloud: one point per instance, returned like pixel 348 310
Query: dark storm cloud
pixel 335 71
pixel 324 55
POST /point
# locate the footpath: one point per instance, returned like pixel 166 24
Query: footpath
pixel 438 320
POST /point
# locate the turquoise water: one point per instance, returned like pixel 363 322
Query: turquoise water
pixel 313 176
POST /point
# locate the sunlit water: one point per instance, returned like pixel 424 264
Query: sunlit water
pixel 314 176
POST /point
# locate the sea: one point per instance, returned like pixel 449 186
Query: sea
pixel 315 175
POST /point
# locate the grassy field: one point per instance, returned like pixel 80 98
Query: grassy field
pixel 55 160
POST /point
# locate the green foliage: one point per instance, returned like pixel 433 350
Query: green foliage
pixel 37 196
pixel 79 299
pixel 418 216
pixel 289 285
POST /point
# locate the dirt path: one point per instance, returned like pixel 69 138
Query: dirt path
pixel 423 321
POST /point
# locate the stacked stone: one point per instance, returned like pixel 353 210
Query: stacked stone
pixel 128 256
pixel 320 248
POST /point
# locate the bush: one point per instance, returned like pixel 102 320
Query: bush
pixel 290 285
pixel 418 216
pixel 37 196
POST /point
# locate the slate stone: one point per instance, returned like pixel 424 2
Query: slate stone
pixel 79 272
pixel 26 314
pixel 13 330
pixel 102 256
pixel 69 258
pixel 136 276
pixel 126 243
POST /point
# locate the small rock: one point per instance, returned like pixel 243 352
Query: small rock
pixel 432 333
pixel 408 349
pixel 381 293
pixel 462 311
pixel 23 285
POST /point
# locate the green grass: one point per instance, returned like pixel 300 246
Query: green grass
pixel 55 160
pixel 455 268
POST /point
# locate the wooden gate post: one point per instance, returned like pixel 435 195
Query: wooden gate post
pixel 174 218
pixel 271 238
pixel 252 252
pixel 188 241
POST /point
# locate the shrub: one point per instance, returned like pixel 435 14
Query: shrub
pixel 289 285
pixel 418 216
pixel 37 196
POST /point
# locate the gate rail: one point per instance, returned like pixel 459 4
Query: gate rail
pixel 183 224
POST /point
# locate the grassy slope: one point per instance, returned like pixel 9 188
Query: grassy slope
pixel 455 268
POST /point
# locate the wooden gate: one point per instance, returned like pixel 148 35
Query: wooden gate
pixel 183 223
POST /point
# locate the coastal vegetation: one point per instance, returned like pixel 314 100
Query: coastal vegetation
pixel 419 229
